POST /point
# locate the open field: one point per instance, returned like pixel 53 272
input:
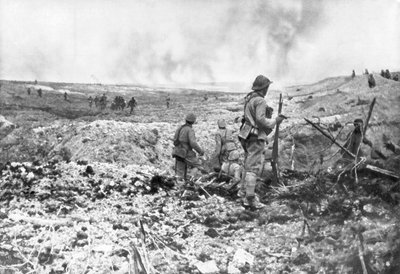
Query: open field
pixel 57 216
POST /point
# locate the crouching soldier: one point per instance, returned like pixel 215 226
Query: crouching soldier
pixel 232 167
pixel 185 147
pixel 226 152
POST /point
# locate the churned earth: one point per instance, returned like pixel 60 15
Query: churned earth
pixel 85 190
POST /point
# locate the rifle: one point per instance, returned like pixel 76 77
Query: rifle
pixel 274 161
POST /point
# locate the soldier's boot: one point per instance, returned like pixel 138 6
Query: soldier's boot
pixel 242 187
pixel 251 200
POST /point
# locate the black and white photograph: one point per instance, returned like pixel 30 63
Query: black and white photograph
pixel 199 136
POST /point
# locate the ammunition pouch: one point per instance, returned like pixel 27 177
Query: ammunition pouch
pixel 179 152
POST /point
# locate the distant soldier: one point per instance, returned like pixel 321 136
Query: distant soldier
pixel 371 81
pixel 366 72
pixel 65 96
pixel 383 74
pixel 185 144
pixel 103 101
pixel 90 99
pixel 29 91
pixel 96 101
pixel 167 100
pixel 387 74
pixel 39 92
pixel 396 77
pixel 353 74
pixel 132 104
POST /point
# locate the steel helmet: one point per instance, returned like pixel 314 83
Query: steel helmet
pixel 260 82
pixel 221 123
pixel 191 118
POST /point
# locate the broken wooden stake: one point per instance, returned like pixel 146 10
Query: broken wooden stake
pixel 369 167
pixel 371 107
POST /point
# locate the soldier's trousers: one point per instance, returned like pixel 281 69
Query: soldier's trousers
pixel 180 168
pixel 254 160
pixel 232 169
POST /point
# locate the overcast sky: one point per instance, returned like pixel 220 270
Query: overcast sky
pixel 184 41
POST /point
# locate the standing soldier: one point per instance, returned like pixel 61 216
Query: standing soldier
pixel 65 96
pixel 185 145
pixel 90 99
pixel 132 104
pixel 253 136
pixel 39 92
pixel 371 81
pixel 366 72
pixel 29 91
pixel 167 100
pixel 353 74
pixel 388 75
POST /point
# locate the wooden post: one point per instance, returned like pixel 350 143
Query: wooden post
pixel 371 107
pixel 274 161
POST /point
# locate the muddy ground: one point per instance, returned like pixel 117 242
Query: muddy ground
pixel 85 190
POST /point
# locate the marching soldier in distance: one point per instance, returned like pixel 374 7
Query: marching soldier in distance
pixel 353 74
pixel 29 91
pixel 90 99
pixel 132 104
pixel 167 100
pixel 39 91
pixel 371 81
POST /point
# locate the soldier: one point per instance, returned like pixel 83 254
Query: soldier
pixel 353 74
pixel 90 99
pixel 383 73
pixel 132 104
pixel 396 77
pixel 366 72
pixel 389 145
pixel 39 92
pixel 371 81
pixel 253 136
pixel 65 96
pixel 103 101
pixel 388 75
pixel 29 91
pixel 226 152
pixel 185 145
pixel 354 140
pixel 167 100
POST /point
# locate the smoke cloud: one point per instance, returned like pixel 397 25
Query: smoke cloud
pixel 191 41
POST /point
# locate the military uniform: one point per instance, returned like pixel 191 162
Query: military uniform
pixel 186 139
pixel 253 136
pixel 226 152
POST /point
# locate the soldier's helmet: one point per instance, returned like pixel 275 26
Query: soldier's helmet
pixel 234 155
pixel 260 82
pixel 221 123
pixel 191 118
